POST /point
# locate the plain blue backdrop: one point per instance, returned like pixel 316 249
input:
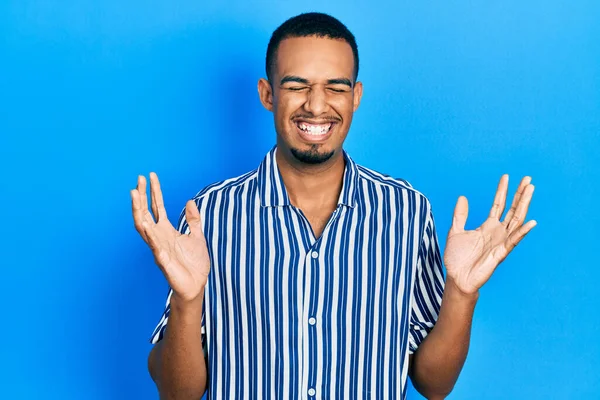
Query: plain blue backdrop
pixel 93 93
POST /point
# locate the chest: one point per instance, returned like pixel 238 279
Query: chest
pixel 287 240
pixel 280 298
pixel 318 219
pixel 281 260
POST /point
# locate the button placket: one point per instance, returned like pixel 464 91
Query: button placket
pixel 312 261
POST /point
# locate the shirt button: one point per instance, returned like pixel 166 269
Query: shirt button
pixel 315 254
pixel 312 320
pixel 311 392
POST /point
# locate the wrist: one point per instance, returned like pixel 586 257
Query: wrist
pixel 187 306
pixel 453 291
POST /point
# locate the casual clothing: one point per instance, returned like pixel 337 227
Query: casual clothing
pixel 289 316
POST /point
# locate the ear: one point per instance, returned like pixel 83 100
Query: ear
pixel 265 92
pixel 358 90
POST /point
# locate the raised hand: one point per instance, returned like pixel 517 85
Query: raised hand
pixel 472 256
pixel 183 259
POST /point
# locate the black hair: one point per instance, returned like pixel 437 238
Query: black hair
pixel 310 24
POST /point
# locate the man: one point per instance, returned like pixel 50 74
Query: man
pixel 312 276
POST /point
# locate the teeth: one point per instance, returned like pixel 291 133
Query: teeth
pixel 314 129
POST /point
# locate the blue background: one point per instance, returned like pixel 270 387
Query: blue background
pixel 93 93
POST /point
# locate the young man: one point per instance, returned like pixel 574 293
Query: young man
pixel 312 276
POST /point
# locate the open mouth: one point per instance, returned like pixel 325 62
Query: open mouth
pixel 314 132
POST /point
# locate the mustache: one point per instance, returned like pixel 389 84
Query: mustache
pixel 328 118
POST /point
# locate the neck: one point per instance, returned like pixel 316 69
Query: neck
pixel 312 186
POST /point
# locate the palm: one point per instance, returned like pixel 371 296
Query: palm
pixel 472 256
pixel 183 259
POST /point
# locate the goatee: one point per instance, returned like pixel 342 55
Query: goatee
pixel 312 156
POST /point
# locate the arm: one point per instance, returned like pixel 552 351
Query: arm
pixel 435 366
pixel 470 258
pixel 176 363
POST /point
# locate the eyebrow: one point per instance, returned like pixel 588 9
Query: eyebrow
pixel 304 81
pixel 339 81
pixel 292 78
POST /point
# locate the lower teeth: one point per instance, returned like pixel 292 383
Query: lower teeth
pixel 314 133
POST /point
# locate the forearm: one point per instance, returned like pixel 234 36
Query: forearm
pixel 177 363
pixel 438 361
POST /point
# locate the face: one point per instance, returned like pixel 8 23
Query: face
pixel 313 96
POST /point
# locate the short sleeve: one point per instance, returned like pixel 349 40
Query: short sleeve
pixel 159 331
pixel 428 286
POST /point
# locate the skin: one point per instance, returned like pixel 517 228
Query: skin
pixel 177 363
pixel 313 82
pixel 470 258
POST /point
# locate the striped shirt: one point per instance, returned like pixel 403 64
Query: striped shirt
pixel 291 316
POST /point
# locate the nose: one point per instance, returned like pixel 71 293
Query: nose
pixel 316 102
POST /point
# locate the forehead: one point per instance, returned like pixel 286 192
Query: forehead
pixel 315 58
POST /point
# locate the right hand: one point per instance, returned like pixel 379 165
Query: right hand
pixel 183 259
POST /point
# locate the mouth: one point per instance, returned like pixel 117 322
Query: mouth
pixel 314 132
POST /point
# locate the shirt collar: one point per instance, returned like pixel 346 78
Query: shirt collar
pixel 272 191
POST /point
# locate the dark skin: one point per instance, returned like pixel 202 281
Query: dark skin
pixel 177 363
pixel 313 84
pixel 302 86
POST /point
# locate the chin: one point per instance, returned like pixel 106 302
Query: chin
pixel 313 156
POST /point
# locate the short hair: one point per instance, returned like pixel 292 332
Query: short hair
pixel 310 24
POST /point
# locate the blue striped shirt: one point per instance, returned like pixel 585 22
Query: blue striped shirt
pixel 290 316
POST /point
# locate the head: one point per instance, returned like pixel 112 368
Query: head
pixel 311 86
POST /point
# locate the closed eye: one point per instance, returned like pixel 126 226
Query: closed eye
pixel 296 88
pixel 339 88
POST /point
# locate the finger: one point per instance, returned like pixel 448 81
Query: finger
pixel 524 182
pixel 135 201
pixel 192 216
pixel 521 211
pixel 500 199
pixel 160 254
pixel 158 205
pixel 143 202
pixel 137 213
pixel 141 188
pixel 514 239
pixel 461 212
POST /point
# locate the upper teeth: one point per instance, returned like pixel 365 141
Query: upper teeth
pixel 314 129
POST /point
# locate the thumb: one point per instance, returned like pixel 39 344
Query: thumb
pixel 461 211
pixel 192 216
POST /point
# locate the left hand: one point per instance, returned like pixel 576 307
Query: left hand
pixel 472 256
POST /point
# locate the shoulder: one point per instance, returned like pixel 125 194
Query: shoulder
pixel 205 198
pixel 225 186
pixel 398 185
